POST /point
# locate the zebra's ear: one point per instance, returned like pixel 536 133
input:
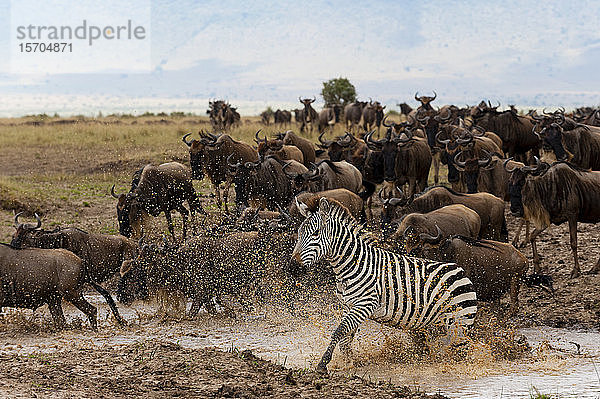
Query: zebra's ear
pixel 302 207
pixel 324 206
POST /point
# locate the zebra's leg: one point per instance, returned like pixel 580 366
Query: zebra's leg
pixel 345 344
pixel 350 322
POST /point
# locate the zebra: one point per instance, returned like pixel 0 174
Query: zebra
pixel 390 288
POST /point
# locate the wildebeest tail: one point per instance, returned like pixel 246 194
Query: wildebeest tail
pixel 109 300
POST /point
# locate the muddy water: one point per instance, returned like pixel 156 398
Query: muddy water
pixel 557 365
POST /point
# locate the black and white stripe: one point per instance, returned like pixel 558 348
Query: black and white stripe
pixel 393 289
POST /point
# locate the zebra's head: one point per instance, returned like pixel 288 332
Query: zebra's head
pixel 314 234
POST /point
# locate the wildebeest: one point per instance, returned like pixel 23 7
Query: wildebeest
pixel 261 184
pixel 209 155
pixel 350 200
pixel 311 117
pixel 579 146
pixel 161 188
pixel 425 100
pixel 489 208
pixel 277 149
pixel 405 109
pixel 328 175
pixel 494 267
pixel 514 130
pixel 32 277
pixel 282 118
pixel 416 228
pixel 405 160
pixel 372 115
pixel 101 254
pixel 353 113
pixel 555 194
pixel 265 117
pixel 329 116
pixel 222 115
pixel 306 146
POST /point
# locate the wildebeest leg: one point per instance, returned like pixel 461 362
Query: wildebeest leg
pixel 184 215
pixel 218 194
pixel 436 167
pixel 226 192
pixel 83 305
pixel 110 301
pixel 576 272
pixel 170 224
pixel 54 304
pixel 536 257
pixel 515 241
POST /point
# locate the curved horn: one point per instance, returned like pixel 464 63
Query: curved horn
pixel 483 163
pixel 28 226
pixel 369 140
pixel 417 97
pixel 314 99
pixel 231 165
pixel 257 139
pixel 505 164
pixel 327 143
pixel 428 238
pixel 440 141
pixel 299 99
pixel 465 141
pixel 381 199
pixel 434 95
pixel 189 143
pixel 112 192
pixel 535 116
pixel 457 162
pixel 421 120
pixel 386 125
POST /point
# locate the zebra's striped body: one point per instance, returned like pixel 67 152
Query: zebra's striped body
pixel 396 290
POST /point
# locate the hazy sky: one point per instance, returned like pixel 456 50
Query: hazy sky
pixel 529 53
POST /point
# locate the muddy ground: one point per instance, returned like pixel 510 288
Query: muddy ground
pixel 71 187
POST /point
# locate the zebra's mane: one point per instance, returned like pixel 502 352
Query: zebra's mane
pixel 341 213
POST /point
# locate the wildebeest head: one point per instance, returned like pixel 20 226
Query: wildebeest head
pixel 133 283
pixel 471 167
pixel 128 212
pixel 552 136
pixel 456 137
pixel 336 149
pixel 308 109
pixel 518 177
pixel 24 231
pixel 303 181
pixel 266 146
pixel 198 152
pixel 415 242
pixel 390 210
pixel 425 100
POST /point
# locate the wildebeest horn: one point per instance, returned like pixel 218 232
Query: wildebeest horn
pixel 422 120
pixel 505 164
pixel 231 165
pixel 457 162
pixel 465 141
pixel 26 225
pixel 112 192
pixel 345 143
pixel 484 162
pixel 381 199
pixel 479 129
pixel 434 95
pixel 417 96
pixel 314 99
pixel 327 143
pixel 285 165
pixel 279 136
pixel 441 118
pixel 369 140
pixel 386 125
pixel 300 99
pixel 284 213
pixel 189 143
pixel 535 116
pixel 440 141
pixel 428 238
pixel 258 139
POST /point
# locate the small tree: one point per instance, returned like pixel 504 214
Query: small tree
pixel 338 91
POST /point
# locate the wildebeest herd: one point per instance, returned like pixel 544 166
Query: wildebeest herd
pixel 299 204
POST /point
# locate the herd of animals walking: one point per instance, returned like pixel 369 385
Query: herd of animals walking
pixel 432 253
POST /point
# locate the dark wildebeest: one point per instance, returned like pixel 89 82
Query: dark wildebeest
pixel 328 175
pixel 405 109
pixel 544 194
pixel 405 160
pixel 416 228
pixel 515 131
pixel 494 267
pixel 311 117
pixel 277 149
pixel 372 116
pixel 161 188
pixel 101 254
pixel 261 184
pixel 306 146
pixel 209 155
pixel 425 101
pixel 489 208
pixel 265 117
pixel 329 116
pixel 283 118
pixel 579 146
pixel 32 277
pixel 353 113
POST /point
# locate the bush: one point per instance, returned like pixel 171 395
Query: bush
pixel 338 91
